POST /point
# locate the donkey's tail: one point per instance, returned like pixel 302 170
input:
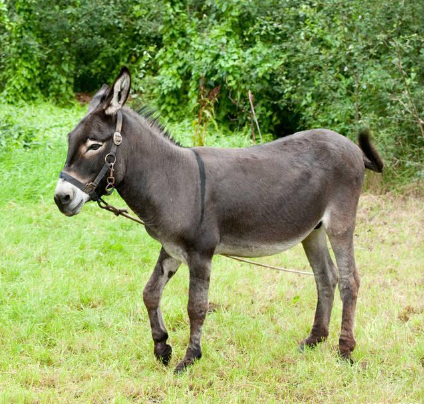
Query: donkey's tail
pixel 372 159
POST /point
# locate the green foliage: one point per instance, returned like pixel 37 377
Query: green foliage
pixel 331 63
pixel 31 126
pixel 338 64
pixel 57 47
pixel 13 135
pixel 208 42
pixel 4 22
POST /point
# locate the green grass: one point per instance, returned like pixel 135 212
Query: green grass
pixel 73 327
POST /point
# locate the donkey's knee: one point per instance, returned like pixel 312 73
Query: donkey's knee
pixel 151 297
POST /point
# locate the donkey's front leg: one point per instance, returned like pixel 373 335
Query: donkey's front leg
pixel 164 269
pixel 200 270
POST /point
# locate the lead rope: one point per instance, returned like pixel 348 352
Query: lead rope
pixel 124 212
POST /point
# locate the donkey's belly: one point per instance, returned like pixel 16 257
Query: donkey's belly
pixel 256 248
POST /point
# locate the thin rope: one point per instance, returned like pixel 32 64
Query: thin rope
pixel 124 212
pixel 293 271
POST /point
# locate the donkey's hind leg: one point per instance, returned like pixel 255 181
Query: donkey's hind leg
pixel 341 239
pixel 165 268
pixel 315 246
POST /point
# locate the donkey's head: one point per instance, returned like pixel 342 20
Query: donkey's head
pixel 89 145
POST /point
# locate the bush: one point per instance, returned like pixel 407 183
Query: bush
pixel 33 126
pixel 318 63
pixel 55 48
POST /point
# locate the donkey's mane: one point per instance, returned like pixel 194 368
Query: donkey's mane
pixel 152 117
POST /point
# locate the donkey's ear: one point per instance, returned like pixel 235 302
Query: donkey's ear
pixel 119 92
pixel 98 98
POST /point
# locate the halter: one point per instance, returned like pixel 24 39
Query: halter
pixel 110 160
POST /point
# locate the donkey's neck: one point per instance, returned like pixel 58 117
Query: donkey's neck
pixel 157 171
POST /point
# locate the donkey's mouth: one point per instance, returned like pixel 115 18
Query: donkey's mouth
pixel 74 211
pixel 70 211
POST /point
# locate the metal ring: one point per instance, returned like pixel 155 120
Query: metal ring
pixel 109 189
pixel 110 155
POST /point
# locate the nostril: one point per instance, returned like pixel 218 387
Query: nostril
pixel 63 199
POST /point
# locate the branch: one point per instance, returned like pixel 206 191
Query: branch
pixel 254 115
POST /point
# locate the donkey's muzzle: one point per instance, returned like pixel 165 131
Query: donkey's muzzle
pixel 69 199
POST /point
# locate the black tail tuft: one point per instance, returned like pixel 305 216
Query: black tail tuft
pixel 372 159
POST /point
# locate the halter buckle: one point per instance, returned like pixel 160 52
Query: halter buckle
pixel 90 187
pixel 117 138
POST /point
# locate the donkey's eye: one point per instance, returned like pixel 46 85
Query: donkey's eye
pixel 94 146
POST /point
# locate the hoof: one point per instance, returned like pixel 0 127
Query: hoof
pixel 181 367
pixel 311 342
pixel 163 354
pixel 346 357
pixel 304 347
pixel 346 347
pixel 186 362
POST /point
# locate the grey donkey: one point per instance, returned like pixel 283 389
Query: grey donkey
pixel 248 202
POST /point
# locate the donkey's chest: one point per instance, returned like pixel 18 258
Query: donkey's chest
pixel 176 251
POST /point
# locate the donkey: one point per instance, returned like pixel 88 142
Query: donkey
pixel 198 202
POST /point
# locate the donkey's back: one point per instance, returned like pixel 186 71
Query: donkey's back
pixel 265 199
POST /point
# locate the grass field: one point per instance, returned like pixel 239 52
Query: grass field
pixel 73 328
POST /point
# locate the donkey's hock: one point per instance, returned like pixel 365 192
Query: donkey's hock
pixel 198 202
